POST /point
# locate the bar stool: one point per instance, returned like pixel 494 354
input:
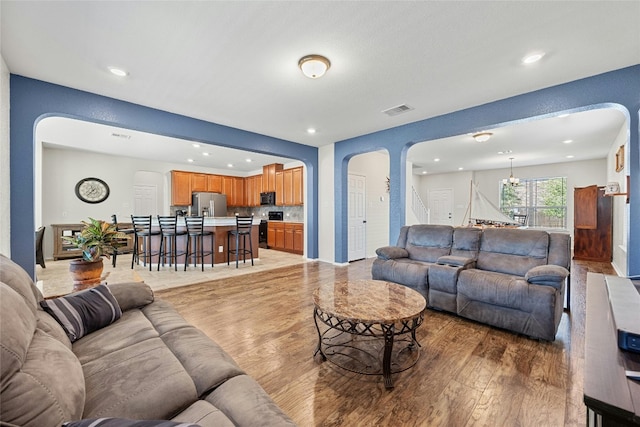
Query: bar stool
pixel 169 237
pixel 195 241
pixel 243 228
pixel 127 231
pixel 142 230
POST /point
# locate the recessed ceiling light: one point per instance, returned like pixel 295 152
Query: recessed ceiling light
pixel 196 145
pixel 460 169
pixel 567 141
pixel 205 154
pixel 424 172
pixel 190 160
pixel 570 156
pixel 248 160
pixel 532 58
pixel 436 160
pixel 311 131
pixel 505 152
pixel 229 165
pixel 118 72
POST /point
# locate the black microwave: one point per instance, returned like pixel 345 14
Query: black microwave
pixel 268 198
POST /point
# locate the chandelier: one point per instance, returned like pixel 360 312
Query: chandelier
pixel 512 181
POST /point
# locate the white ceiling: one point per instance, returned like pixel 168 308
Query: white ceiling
pixel 235 63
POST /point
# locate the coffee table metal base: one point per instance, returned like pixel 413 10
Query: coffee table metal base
pixel 357 346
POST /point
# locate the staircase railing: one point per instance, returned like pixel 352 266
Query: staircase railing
pixel 418 207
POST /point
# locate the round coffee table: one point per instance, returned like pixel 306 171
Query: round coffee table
pixel 362 319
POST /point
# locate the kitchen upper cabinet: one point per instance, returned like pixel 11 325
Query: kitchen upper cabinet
pixel 252 189
pixel 214 183
pixel 199 182
pixel 238 192
pixel 279 188
pixel 269 176
pixel 288 187
pixel 297 186
pixel 180 188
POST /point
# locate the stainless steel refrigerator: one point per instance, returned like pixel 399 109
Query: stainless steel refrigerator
pixel 209 204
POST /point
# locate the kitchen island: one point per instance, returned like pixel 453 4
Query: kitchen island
pixel 220 226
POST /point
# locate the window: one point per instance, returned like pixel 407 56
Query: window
pixel 542 200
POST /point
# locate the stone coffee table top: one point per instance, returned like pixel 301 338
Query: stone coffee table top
pixel 369 301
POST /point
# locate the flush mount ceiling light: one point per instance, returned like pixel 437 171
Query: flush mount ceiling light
pixel 314 66
pixel 118 71
pixel 512 181
pixel 482 136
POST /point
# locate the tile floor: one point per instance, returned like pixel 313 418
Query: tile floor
pixel 55 279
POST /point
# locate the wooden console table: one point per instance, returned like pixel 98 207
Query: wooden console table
pixel 611 398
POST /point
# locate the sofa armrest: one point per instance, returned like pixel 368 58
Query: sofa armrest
pixel 550 275
pixel 131 295
pixel 392 252
pixel 457 261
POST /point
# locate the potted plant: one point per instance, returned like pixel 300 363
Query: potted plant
pixel 98 238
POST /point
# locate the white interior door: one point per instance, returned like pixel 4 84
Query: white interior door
pixel 357 217
pixel 145 200
pixel 441 206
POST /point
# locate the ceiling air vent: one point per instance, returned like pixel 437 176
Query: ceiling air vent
pixel 394 111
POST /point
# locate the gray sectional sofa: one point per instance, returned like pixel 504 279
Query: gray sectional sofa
pixel 149 364
pixel 514 279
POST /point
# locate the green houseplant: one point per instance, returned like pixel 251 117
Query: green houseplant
pixel 98 238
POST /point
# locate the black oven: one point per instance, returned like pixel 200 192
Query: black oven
pixel 268 198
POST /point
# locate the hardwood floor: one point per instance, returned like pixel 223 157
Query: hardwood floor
pixel 468 374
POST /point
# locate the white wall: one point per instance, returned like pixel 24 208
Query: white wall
pixel 579 174
pixel 375 168
pixel 620 206
pixel 326 226
pixel 5 204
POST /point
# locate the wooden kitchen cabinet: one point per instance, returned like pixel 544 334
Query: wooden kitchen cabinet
pixel 297 186
pixel 287 185
pixel 252 188
pixel 269 176
pixel 286 236
pixel 199 182
pixel 214 183
pixel 298 238
pixel 180 188
pixel 280 188
pixel 238 191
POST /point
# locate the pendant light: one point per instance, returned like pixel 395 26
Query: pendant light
pixel 512 181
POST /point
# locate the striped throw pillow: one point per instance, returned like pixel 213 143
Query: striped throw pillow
pixel 84 312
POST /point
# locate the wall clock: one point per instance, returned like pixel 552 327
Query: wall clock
pixel 92 190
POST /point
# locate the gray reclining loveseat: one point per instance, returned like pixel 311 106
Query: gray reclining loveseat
pixel 510 278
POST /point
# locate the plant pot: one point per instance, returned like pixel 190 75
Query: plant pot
pixel 85 274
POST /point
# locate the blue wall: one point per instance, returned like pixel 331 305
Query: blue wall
pixel 619 89
pixel 32 100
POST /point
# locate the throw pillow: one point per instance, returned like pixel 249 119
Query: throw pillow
pixel 122 422
pixel 84 312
